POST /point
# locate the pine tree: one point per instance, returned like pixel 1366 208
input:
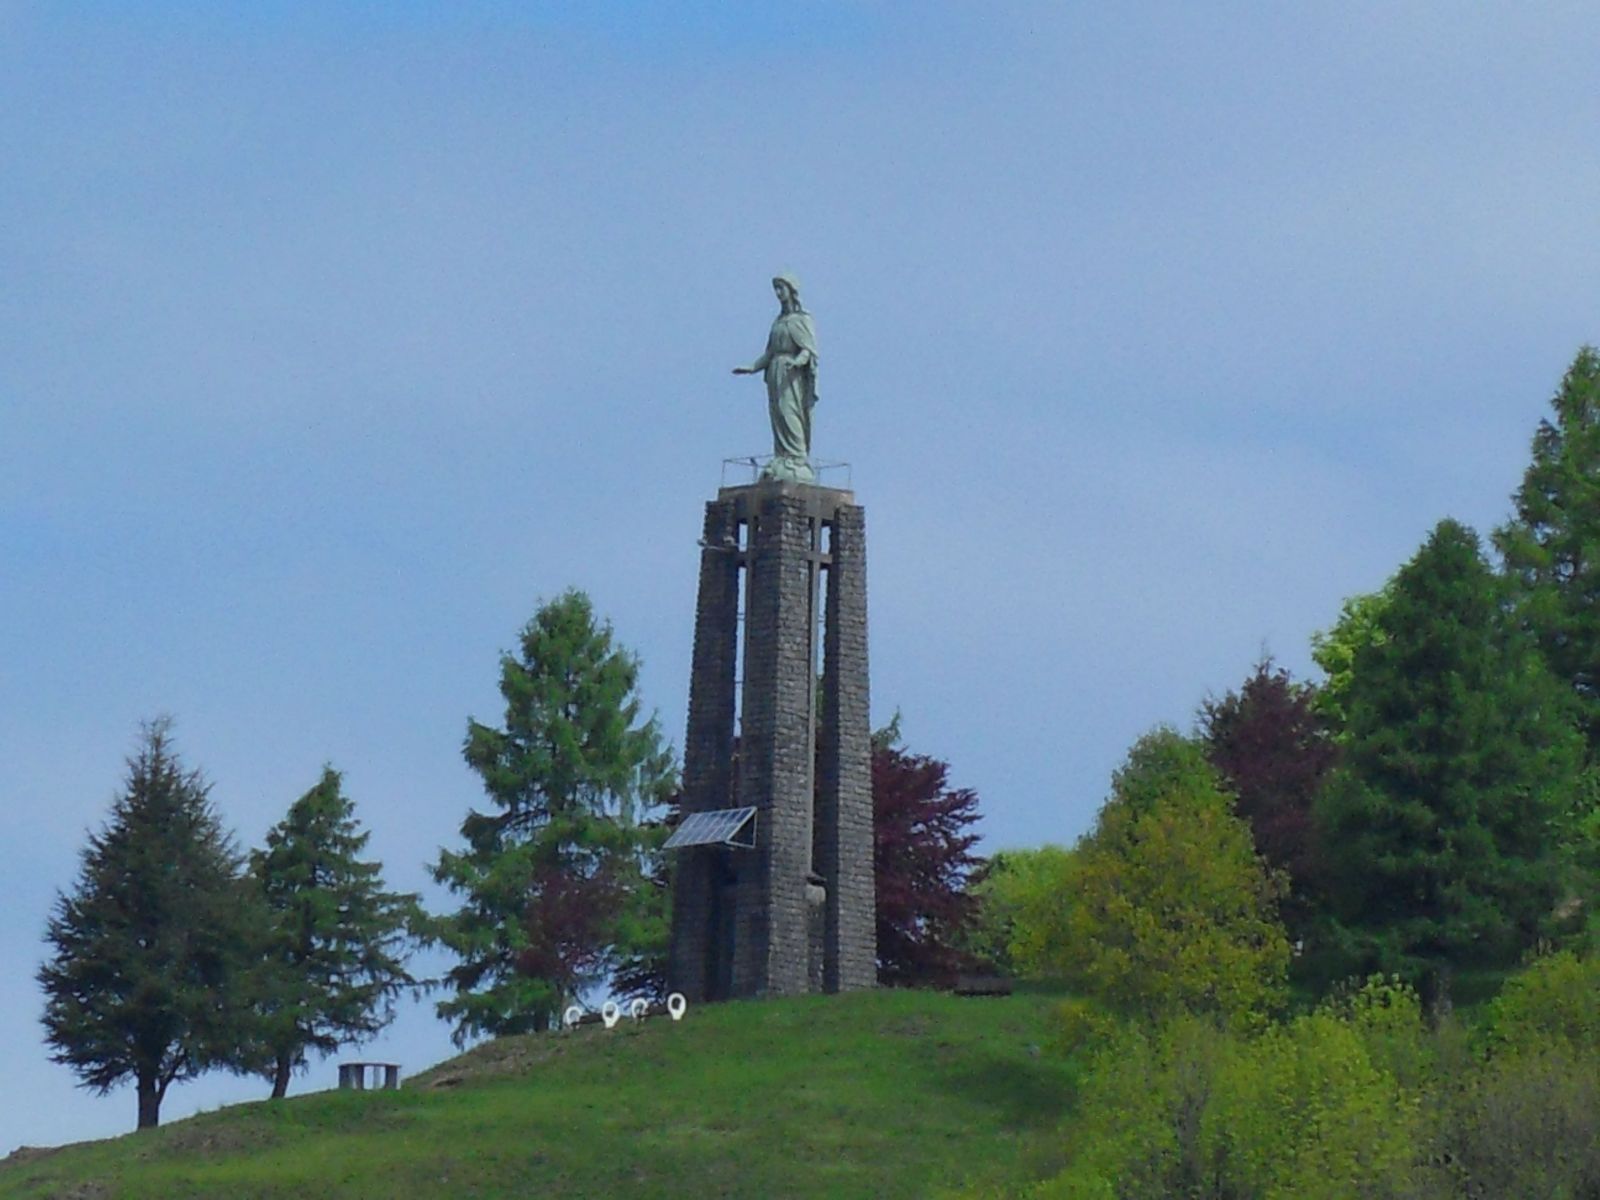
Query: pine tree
pixel 334 946
pixel 554 881
pixel 150 949
pixel 1549 548
pixel 1272 745
pixel 923 858
pixel 1458 754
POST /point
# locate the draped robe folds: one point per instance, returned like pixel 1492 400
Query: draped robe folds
pixel 791 391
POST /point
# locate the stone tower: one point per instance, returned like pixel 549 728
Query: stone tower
pixel 773 883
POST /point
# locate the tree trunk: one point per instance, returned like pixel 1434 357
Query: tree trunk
pixel 149 1102
pixel 280 1077
pixel 1437 1001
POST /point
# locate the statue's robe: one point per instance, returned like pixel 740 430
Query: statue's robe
pixel 791 392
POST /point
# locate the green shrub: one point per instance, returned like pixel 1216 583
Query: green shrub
pixel 1314 1109
pixel 1555 1001
pixel 1304 1113
pixel 1520 1116
pixel 1523 1125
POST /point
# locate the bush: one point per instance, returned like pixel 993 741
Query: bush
pixel 1523 1116
pixel 1554 1002
pixel 1019 896
pixel 1524 1125
pixel 1313 1109
pixel 1304 1112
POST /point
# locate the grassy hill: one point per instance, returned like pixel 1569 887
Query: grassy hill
pixel 887 1093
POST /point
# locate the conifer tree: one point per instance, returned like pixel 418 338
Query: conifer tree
pixel 1549 552
pixel 334 943
pixel 1458 754
pixel 1549 548
pixel 554 881
pixel 150 949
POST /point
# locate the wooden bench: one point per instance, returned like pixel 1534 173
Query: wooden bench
pixel 982 985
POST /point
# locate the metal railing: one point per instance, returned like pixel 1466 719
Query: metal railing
pixel 747 469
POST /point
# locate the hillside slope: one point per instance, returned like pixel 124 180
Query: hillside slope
pixel 890 1093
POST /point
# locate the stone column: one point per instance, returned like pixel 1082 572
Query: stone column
pixel 775 759
pixel 796 913
pixel 707 751
pixel 844 791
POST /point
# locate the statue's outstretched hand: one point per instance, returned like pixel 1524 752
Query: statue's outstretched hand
pixel 744 370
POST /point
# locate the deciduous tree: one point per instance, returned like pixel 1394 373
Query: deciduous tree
pixel 1273 748
pixel 922 854
pixel 1334 650
pixel 1165 906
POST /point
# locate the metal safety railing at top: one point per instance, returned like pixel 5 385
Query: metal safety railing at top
pixel 748 468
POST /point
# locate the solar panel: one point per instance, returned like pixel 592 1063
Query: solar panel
pixel 720 827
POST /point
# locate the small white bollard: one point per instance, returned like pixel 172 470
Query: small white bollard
pixel 611 1014
pixel 570 1018
pixel 636 1008
pixel 677 1005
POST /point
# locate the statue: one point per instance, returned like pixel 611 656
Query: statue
pixel 790 368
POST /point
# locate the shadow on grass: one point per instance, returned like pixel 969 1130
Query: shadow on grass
pixel 1028 1094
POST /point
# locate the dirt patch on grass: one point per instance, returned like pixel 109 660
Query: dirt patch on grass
pixel 28 1154
pixel 497 1059
pixel 19 1160
pixel 914 1026
pixel 214 1139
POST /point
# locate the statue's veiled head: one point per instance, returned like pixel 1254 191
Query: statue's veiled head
pixel 787 289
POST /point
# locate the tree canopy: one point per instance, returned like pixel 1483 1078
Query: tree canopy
pixel 554 879
pixel 922 851
pixel 1458 753
pixel 334 945
pixel 151 947
pixel 1273 747
pixel 1549 546
pixel 1165 906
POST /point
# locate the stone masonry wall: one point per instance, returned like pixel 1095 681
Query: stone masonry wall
pixel 708 747
pixel 844 802
pixel 771 945
pixel 810 782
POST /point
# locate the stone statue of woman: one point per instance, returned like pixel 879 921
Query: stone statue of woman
pixel 790 368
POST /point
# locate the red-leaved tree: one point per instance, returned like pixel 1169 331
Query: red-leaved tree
pixel 922 852
pixel 1274 751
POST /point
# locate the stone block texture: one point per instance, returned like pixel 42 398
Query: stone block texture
pixel 796 913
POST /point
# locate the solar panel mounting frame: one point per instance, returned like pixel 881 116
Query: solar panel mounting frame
pixel 732 827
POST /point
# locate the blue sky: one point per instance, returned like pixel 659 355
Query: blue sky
pixel 333 338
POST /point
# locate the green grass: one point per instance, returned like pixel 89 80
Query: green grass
pixel 889 1093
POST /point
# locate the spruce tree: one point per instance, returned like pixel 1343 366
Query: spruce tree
pixel 150 949
pixel 1550 547
pixel 1458 753
pixel 335 939
pixel 554 880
